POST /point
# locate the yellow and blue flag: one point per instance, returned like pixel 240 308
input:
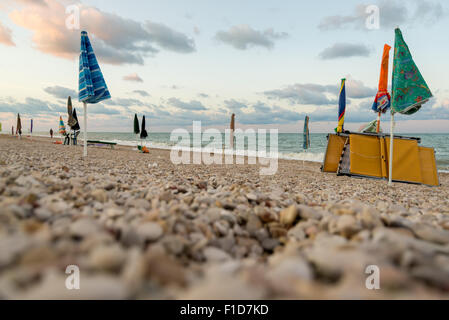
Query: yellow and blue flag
pixel 341 107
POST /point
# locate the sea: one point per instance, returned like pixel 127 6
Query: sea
pixel 290 145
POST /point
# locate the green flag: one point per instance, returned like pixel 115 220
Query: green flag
pixel 409 88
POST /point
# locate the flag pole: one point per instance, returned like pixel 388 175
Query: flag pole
pixel 85 130
pixel 390 172
pixel 378 122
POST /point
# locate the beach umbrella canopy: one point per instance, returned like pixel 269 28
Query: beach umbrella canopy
pixel 19 125
pixel 136 125
pixel 71 121
pixel 382 99
pixel 0 127
pixel 306 139
pixel 92 86
pixel 76 127
pixel 341 107
pixel 409 89
pixel 143 132
pixel 61 126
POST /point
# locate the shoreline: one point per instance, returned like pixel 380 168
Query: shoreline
pixel 283 157
pixel 140 227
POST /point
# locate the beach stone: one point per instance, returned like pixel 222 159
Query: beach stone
pixel 84 227
pixel 297 232
pixel 149 231
pixel 251 196
pixel 222 227
pixel 428 233
pixel 164 270
pixel 218 284
pixel 174 244
pixel 253 224
pixel 213 254
pixel 306 212
pixel 107 257
pixel 270 244
pixel 42 214
pixel 91 287
pixel 288 215
pixel 347 226
pixel 100 195
pixel 289 270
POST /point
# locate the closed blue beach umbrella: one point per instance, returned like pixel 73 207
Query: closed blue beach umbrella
pixel 92 87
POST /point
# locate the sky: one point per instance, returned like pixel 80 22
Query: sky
pixel 175 61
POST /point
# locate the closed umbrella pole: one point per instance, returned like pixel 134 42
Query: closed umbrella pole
pixel 231 142
pixel 136 127
pixel 85 130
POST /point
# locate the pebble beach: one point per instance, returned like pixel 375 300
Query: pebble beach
pixel 140 227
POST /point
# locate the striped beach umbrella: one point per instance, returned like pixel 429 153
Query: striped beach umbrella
pixel 341 107
pixel 92 86
pixel 62 127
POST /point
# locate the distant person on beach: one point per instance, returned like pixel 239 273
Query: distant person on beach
pixel 51 133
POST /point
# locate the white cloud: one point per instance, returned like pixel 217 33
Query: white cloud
pixel 345 50
pixel 243 37
pixel 133 77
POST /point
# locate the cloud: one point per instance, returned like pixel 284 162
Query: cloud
pixel 243 37
pixel 345 50
pixel 123 102
pixel 31 106
pixel 142 93
pixel 100 109
pixel 316 94
pixel 6 36
pixel 61 92
pixel 234 105
pixel 123 41
pixel 133 77
pixel 193 105
pixel 303 93
pixel 203 95
pixel 169 39
pixel 391 14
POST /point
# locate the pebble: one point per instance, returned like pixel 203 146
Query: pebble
pixel 149 231
pixel 190 231
pixel 288 215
